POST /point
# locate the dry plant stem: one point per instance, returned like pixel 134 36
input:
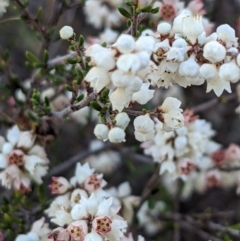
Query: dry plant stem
pixel 60 60
pixel 72 108
pixel 80 54
pixel 33 21
pixel 223 229
pixel 211 103
pixel 134 20
pixel 57 170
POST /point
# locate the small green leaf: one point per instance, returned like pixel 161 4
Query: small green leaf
pixel 95 106
pixel 69 88
pixel 81 40
pixel 155 10
pixel 147 9
pixel 31 57
pixel 124 12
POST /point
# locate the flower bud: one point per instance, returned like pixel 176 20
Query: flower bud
pixel 229 72
pixel 101 132
pixel 122 120
pixel 77 194
pixel 143 124
pixel 125 43
pixel 214 52
pixel 66 32
pixel 116 135
pixel 189 68
pixel 208 71
pixel 173 120
pixel 164 28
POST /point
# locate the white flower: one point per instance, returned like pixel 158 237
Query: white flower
pixel 66 32
pixel 164 28
pixel 120 99
pixel 189 68
pixel 59 185
pixel 143 123
pixel 218 85
pixel 101 132
pixel 3 5
pixel 170 103
pixel 229 72
pixel 81 174
pixel 192 27
pixel 145 43
pixel 208 71
pixel 214 52
pixel 173 120
pixel 129 63
pixel 116 135
pixel 168 166
pixel 104 59
pixel 98 78
pixel 143 95
pixel 125 43
pixel 238 60
pixel 122 120
pixel 227 35
pixel 177 22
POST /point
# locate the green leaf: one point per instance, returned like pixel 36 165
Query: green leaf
pixel 81 40
pixel 155 10
pixel 69 88
pixel 32 58
pixel 95 106
pixel 147 9
pixel 124 12
pixel 45 56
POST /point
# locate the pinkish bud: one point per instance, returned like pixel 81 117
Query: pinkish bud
pixel 59 185
pixel 167 11
pixel 102 224
pixel 213 179
pixel 185 166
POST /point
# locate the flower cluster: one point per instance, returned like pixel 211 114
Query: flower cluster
pixel 92 218
pixel 21 159
pixel 182 150
pixel 183 54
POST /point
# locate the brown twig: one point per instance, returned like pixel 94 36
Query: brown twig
pixel 71 108
pixel 211 103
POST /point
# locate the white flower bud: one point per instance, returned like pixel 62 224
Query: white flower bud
pixel 122 120
pixel 208 71
pixel 173 120
pixel 129 63
pixel 192 27
pixel 143 123
pixel 7 148
pixel 170 103
pixel 125 44
pixel 164 28
pixel 145 43
pixel 180 142
pixel 179 43
pixel 66 32
pixel 189 68
pixel 101 132
pixel 238 60
pixel 116 135
pixel 20 95
pixel 229 72
pixel 226 34
pixel 214 52
pixel 144 136
pixel 33 236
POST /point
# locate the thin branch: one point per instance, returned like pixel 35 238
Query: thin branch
pixel 211 103
pixel 60 60
pixel 73 160
pixel 71 108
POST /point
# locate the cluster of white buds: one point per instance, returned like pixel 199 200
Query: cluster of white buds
pixel 183 54
pixel 22 160
pixel 181 150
